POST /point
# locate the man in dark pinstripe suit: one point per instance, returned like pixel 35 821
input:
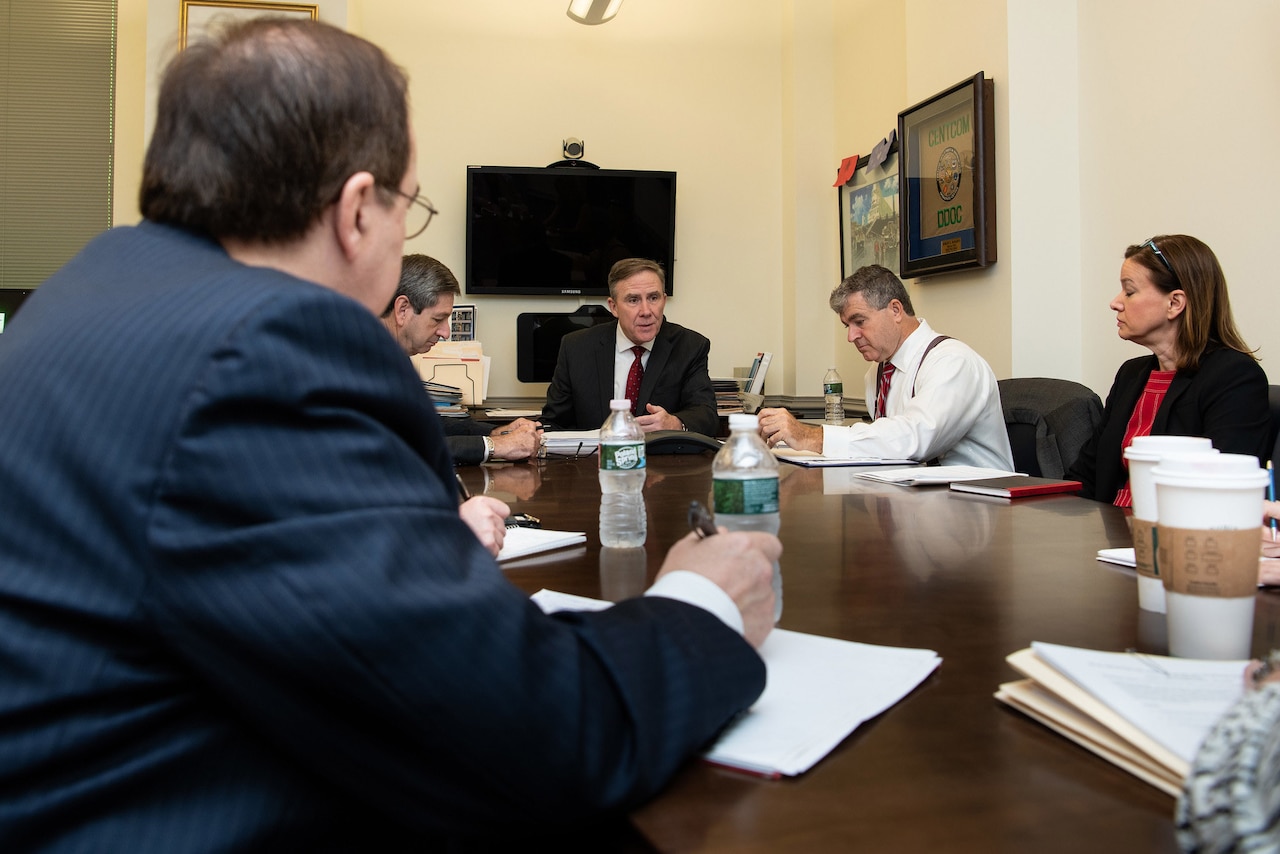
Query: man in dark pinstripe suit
pixel 238 608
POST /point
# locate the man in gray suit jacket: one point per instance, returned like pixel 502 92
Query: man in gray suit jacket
pixel 660 366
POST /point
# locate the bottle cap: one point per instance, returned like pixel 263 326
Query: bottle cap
pixel 744 421
pixel 615 405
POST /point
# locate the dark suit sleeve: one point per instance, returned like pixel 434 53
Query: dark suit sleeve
pixel 697 406
pixel 312 573
pixel 557 412
pixel 466 450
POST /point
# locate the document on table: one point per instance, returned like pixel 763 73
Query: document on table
pixel 519 542
pixel 935 475
pixel 571 443
pixel 819 690
pixel 1120 557
pixel 814 460
pixel 513 413
pixel 1146 713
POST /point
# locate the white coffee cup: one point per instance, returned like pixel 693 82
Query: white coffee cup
pixel 1143 454
pixel 1210 507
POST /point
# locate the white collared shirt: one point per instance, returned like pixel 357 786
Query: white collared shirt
pixel 622 360
pixel 955 415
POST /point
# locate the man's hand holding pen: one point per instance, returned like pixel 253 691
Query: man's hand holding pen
pixel 518 440
pixel 740 563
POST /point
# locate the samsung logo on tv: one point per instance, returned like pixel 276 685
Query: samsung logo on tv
pixel 571 290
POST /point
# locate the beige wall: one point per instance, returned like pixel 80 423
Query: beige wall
pixel 1177 100
pixel 1106 121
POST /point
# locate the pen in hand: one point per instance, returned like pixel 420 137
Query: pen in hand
pixel 1271 495
pixel 462 487
pixel 700 521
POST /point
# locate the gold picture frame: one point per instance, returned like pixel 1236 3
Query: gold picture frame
pixel 195 15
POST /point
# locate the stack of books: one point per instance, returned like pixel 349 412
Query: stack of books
pixel 447 398
pixel 728 394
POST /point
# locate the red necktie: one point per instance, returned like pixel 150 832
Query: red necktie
pixel 882 395
pixel 633 380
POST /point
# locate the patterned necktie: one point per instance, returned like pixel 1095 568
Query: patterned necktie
pixel 882 395
pixel 633 380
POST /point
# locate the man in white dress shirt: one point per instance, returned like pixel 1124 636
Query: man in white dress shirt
pixel 939 400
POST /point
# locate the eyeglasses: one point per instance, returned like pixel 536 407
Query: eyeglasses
pixel 419 215
pixel 1160 255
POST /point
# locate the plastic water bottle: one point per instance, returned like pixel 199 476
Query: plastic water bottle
pixel 744 478
pixel 622 473
pixel 833 396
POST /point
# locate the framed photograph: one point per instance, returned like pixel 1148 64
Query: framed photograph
pixel 462 325
pixel 869 216
pixel 196 15
pixel 947 173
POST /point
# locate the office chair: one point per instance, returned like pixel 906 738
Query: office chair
pixel 1273 398
pixel 1048 420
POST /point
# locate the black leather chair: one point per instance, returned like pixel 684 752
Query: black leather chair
pixel 1048 420
pixel 1273 397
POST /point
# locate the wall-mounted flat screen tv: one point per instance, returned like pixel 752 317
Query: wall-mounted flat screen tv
pixel 558 230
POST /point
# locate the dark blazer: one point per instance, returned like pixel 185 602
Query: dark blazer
pixel 1224 400
pixel 239 610
pixel 676 379
pixel 465 439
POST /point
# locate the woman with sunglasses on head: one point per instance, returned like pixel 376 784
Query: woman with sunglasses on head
pixel 1201 379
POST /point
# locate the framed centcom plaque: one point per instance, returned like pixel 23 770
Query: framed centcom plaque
pixel 947 181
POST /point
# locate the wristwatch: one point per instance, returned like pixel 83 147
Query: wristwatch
pixel 488 449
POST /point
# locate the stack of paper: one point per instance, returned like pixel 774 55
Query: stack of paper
pixel 1147 714
pixel 819 690
pixel 1120 557
pixel 935 475
pixel 461 364
pixel 728 391
pixel 571 443
pixel 812 459
pixel 526 541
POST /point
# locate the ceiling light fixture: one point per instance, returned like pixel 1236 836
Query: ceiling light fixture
pixel 593 11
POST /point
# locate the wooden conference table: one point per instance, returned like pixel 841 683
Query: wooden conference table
pixel 948 768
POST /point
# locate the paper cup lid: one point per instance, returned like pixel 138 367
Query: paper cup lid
pixel 1210 471
pixel 1152 448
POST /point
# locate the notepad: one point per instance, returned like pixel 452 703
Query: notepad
pixel 1120 557
pixel 1018 486
pixel 526 541
pixel 813 460
pixel 819 691
pixel 1146 714
pixel 935 475
pixel 571 443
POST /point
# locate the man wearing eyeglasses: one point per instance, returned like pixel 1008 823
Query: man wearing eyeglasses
pixel 239 610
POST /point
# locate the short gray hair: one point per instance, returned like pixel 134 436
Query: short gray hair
pixel 424 280
pixel 878 286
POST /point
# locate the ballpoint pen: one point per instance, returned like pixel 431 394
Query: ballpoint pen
pixel 700 521
pixel 1271 495
pixel 462 487
pixel 537 427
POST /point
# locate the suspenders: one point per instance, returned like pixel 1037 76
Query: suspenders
pixel 934 343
